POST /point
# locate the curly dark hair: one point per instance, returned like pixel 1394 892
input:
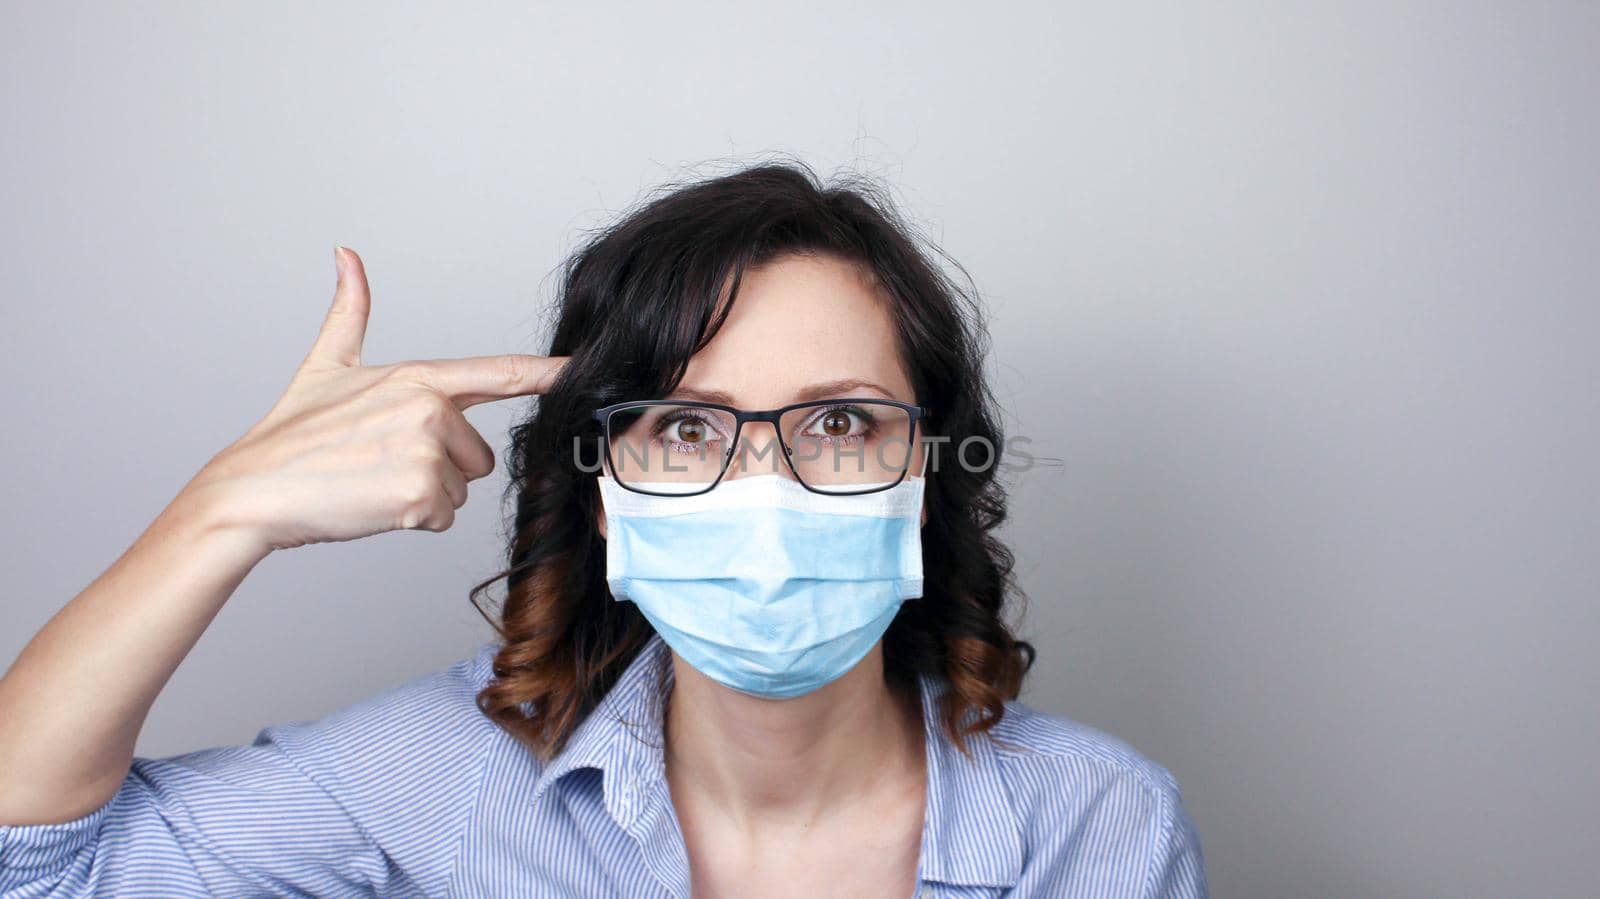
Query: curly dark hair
pixel 640 297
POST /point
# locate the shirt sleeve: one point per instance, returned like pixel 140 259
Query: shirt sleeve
pixel 1177 867
pixel 224 821
pixel 369 799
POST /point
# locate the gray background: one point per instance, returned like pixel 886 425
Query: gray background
pixel 1302 296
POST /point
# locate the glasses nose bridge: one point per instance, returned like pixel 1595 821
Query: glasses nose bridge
pixel 770 416
pixel 773 417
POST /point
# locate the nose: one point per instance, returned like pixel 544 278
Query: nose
pixel 756 455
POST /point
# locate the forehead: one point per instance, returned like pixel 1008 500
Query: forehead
pixel 799 321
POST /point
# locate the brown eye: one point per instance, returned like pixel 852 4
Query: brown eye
pixel 690 431
pixel 836 424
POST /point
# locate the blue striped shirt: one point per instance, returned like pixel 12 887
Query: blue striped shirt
pixel 414 792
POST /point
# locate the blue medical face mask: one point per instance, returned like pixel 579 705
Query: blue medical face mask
pixel 761 584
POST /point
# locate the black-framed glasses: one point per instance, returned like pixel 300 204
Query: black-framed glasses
pixel 838 447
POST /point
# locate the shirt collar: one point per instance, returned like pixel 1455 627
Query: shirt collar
pixel 621 736
pixel 972 834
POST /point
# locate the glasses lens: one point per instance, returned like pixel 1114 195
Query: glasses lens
pixel 668 448
pixel 844 447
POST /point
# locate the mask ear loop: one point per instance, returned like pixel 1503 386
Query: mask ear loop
pixel 603 445
pixel 925 454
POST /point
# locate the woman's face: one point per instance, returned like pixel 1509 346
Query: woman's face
pixel 801 322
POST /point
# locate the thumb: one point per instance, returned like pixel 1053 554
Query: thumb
pixel 345 325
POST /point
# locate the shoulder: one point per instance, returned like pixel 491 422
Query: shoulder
pixel 432 715
pixel 1076 788
pixel 420 743
pixel 1033 743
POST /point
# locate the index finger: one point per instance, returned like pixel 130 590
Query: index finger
pixel 480 379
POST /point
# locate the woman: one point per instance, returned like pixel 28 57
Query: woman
pixel 753 640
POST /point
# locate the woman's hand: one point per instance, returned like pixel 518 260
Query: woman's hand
pixel 350 449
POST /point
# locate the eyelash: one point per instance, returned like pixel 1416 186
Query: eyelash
pixel 662 425
pixel 687 415
pixel 869 424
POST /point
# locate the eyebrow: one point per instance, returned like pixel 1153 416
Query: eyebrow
pixel 816 391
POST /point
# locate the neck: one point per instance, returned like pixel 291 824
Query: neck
pixel 796 759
